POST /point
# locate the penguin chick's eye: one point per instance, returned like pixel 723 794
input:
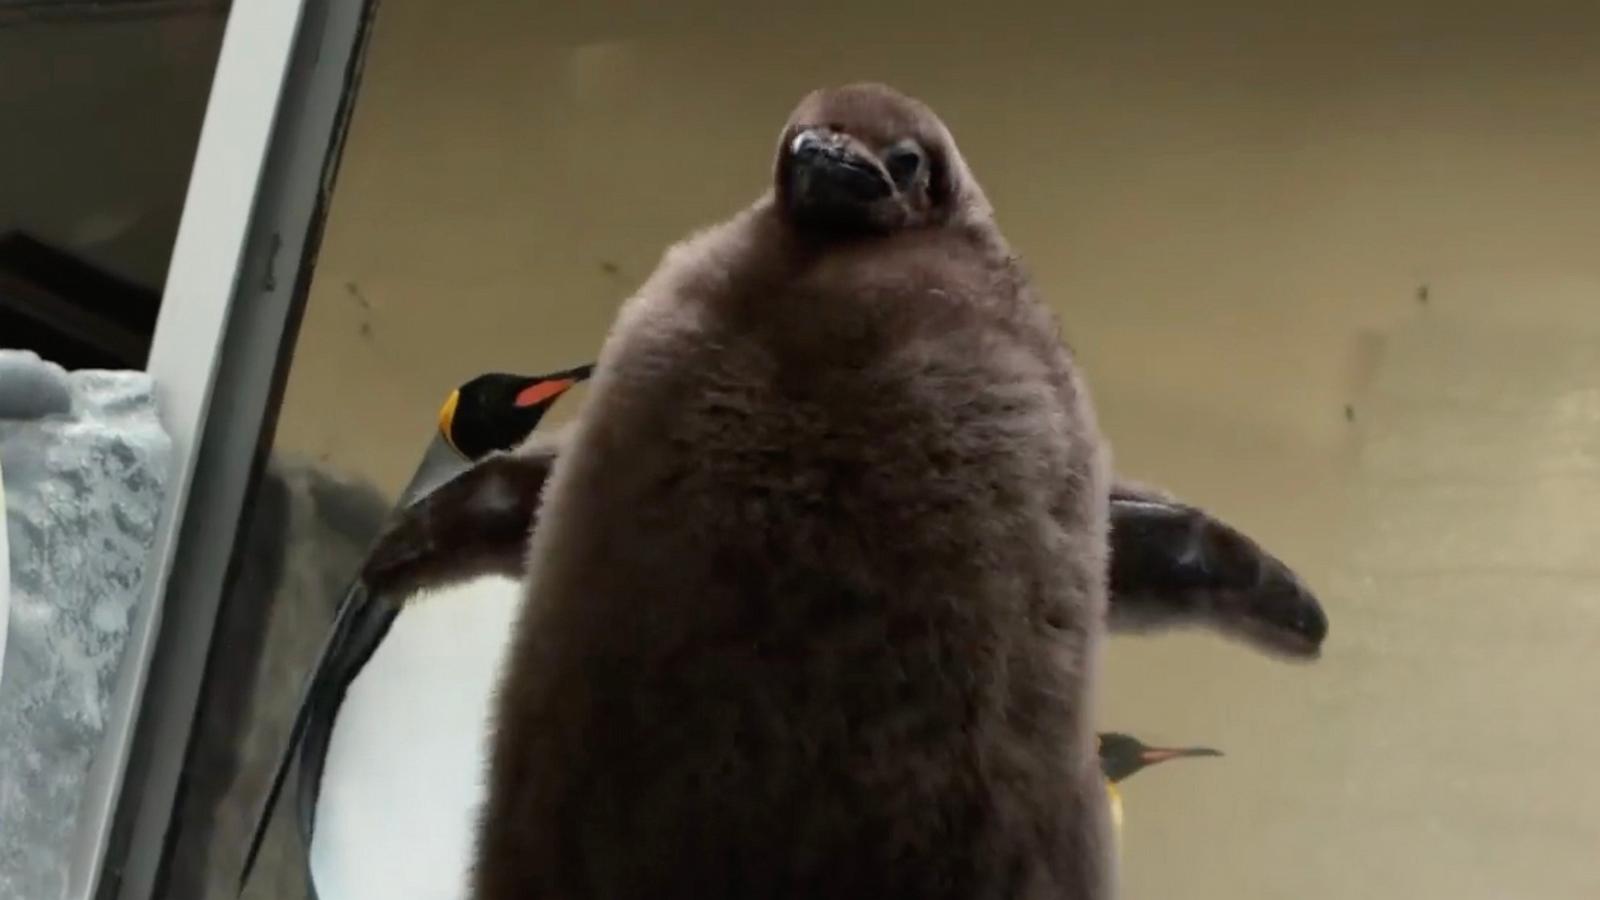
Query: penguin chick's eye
pixel 904 162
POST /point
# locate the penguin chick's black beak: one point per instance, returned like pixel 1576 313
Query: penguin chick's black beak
pixel 833 180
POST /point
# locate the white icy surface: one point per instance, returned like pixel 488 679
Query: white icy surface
pixel 5 578
pixel 83 494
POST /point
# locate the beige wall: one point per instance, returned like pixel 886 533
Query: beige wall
pixel 1235 212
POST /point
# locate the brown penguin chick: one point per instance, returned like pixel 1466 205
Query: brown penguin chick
pixel 816 598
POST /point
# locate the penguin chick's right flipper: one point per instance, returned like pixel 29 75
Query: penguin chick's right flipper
pixel 475 523
pixel 1174 564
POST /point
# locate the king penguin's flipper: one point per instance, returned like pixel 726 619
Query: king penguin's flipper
pixel 358 625
pixel 1174 564
pixel 369 620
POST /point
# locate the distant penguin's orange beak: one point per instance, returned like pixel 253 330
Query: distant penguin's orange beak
pixel 1153 755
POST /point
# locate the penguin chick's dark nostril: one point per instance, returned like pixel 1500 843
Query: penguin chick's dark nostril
pixel 804 143
pixel 903 165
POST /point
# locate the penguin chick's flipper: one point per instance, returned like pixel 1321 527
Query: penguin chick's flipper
pixel 475 523
pixel 1173 564
pixel 1179 564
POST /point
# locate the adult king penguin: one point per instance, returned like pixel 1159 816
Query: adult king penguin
pixel 1122 756
pixel 399 694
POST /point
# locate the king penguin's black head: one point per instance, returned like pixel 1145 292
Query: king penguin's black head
pixel 1122 755
pixel 498 411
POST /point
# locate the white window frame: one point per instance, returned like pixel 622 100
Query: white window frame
pixel 279 107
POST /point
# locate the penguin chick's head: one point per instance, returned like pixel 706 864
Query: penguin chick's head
pixel 498 411
pixel 1122 755
pixel 865 159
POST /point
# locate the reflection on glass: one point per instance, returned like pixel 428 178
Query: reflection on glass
pixel 1331 278
pixel 100 107
pixel 100 112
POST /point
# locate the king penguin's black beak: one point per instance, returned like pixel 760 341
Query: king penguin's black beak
pixel 832 178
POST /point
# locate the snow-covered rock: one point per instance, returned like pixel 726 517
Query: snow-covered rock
pixel 85 463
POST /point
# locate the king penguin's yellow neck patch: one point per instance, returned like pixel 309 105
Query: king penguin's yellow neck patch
pixel 447 416
pixel 1115 797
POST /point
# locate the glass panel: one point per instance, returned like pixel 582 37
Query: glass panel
pixel 1332 275
pixel 100 108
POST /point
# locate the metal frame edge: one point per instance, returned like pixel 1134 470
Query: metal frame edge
pixel 240 272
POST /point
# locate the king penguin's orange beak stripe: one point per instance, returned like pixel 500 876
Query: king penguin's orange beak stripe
pixel 1153 755
pixel 544 390
pixel 447 415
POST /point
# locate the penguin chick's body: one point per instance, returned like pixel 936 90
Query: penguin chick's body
pixel 817 596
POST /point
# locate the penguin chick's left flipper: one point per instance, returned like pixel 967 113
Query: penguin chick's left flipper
pixel 475 523
pixel 1173 564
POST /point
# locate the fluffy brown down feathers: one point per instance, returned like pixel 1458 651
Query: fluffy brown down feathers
pixel 816 600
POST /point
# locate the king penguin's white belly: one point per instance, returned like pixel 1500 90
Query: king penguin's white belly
pixel 406 763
